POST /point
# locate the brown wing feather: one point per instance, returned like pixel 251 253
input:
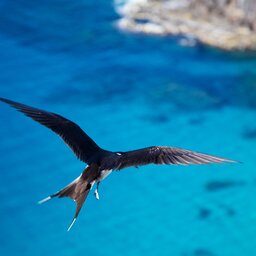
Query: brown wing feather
pixel 81 144
pixel 165 155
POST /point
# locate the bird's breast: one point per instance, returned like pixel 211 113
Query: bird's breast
pixel 104 174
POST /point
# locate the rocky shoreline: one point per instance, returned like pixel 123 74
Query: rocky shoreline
pixel 225 24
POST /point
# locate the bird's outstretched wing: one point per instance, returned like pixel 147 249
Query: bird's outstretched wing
pixel 165 155
pixel 81 144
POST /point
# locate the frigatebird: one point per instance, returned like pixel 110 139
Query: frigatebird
pixel 101 162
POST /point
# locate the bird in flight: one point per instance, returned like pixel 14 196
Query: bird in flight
pixel 101 162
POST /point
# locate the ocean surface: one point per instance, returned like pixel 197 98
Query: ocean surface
pixel 126 91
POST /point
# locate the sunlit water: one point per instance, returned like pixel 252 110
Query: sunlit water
pixel 126 91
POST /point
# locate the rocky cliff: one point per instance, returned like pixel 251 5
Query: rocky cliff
pixel 227 24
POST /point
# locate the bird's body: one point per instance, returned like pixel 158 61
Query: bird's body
pixel 104 174
pixel 101 162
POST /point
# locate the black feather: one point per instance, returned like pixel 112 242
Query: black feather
pixel 81 144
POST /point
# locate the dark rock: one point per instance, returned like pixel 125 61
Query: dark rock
pixel 214 186
pixel 230 212
pixel 249 134
pixel 197 120
pixel 160 118
pixel 203 252
pixel 199 252
pixel 204 213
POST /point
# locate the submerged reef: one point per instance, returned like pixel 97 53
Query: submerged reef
pixel 226 24
pixel 244 92
pixel 200 95
pixel 187 97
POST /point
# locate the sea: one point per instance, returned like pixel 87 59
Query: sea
pixel 127 91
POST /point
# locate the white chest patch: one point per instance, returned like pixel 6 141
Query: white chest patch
pixel 104 174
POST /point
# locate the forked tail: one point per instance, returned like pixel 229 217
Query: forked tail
pixel 76 190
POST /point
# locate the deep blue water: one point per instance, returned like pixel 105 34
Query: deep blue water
pixel 126 91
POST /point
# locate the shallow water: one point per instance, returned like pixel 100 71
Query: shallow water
pixel 126 91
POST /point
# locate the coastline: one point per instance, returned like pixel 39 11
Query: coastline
pixel 227 29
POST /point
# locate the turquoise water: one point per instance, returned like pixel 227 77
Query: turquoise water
pixel 126 91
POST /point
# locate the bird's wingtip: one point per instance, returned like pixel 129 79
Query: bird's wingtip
pixel 232 161
pixel 71 225
pixel 44 200
pixel 5 100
